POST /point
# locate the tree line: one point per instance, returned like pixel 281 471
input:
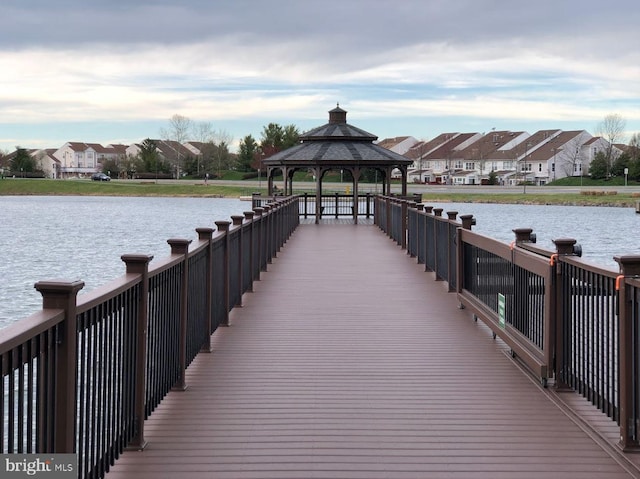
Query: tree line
pixel 215 156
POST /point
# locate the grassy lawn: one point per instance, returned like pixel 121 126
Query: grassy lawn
pixel 620 199
pixel 44 187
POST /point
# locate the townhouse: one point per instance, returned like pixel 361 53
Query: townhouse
pixel 78 159
pixel 504 157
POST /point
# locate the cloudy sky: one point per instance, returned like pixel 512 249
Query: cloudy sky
pixel 115 71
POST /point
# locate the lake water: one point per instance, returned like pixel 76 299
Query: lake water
pixel 83 237
pixel 603 232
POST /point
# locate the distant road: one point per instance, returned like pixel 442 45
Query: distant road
pixel 418 188
pixel 415 188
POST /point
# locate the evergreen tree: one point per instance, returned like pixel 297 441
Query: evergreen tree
pixel 599 166
pixel 619 164
pixel 248 151
pixel 276 138
pixel 22 161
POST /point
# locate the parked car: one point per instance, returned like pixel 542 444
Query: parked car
pixel 100 177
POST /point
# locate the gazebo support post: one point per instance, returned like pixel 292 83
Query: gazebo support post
pixel 270 181
pixel 355 174
pixel 318 174
pixel 290 181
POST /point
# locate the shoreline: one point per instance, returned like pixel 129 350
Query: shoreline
pixel 616 196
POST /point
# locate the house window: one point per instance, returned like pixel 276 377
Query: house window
pixel 468 166
pixel 457 165
pixel 539 166
pixel 494 165
pixel 507 165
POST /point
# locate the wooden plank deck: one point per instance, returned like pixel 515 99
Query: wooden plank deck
pixel 349 361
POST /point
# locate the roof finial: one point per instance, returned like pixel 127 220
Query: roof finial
pixel 337 104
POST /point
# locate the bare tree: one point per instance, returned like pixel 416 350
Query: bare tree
pixel 569 156
pixel 179 130
pixel 612 130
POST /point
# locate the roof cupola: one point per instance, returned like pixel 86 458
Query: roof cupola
pixel 337 115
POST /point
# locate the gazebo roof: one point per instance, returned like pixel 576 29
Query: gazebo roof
pixel 337 143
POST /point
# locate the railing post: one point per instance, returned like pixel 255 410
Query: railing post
pixel 403 223
pixel 437 212
pixel 180 246
pixel 206 234
pixel 223 227
pixel 523 235
pixel 63 295
pixel 628 331
pixel 389 223
pixel 268 229
pixel 237 221
pixel 368 205
pixel 467 222
pixel 564 246
pixel 139 264
pixel 252 256
pixel 451 233
pixel 260 239
pixel 306 202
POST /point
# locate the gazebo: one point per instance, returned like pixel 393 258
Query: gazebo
pixel 336 146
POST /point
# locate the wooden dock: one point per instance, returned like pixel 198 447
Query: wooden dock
pixel 349 361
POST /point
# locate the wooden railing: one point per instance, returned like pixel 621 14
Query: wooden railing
pixel 332 206
pixel 567 320
pixel 83 374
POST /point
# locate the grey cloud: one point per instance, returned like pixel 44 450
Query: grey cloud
pixel 335 28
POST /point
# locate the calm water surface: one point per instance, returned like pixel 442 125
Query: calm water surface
pixel 83 237
pixel 603 232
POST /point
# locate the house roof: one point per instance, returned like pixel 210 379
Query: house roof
pixel 447 149
pixel 423 148
pixel 391 142
pixel 549 149
pixel 488 146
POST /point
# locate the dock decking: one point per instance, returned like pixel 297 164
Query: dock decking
pixel 349 361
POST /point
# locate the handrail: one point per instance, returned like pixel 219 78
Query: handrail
pixel 566 319
pixel 85 372
pixel 334 205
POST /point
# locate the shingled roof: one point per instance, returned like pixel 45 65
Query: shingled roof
pixel 337 143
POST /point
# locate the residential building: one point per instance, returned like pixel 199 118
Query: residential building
pixel 511 157
pixel 399 144
pixel 47 162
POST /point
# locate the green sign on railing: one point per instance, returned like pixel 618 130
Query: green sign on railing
pixel 501 309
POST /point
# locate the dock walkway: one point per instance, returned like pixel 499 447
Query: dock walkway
pixel 349 361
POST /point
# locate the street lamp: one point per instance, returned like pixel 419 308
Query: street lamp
pixel 523 169
pixel 580 169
